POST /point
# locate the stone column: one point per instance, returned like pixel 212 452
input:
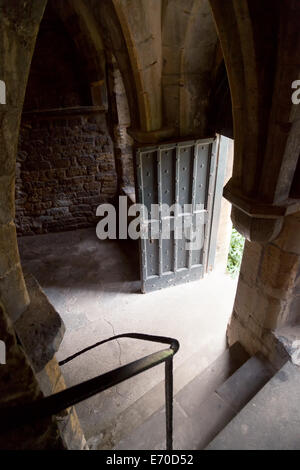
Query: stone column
pixel 261 47
pixel 18 30
pixel 267 302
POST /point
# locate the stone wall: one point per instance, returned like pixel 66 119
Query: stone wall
pixel 65 169
pixel 65 163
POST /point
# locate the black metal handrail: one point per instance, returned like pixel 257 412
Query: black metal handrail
pixel 12 417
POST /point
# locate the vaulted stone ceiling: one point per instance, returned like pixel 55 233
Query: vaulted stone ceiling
pixel 166 51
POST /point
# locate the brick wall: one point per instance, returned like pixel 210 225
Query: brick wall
pixel 65 169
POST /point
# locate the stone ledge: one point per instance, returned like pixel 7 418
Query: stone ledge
pixel 40 328
pixel 254 341
pixel 151 137
pixel 289 337
pixel 66 111
pixel 52 381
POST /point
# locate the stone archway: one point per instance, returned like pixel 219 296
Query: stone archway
pixel 19 32
pixel 15 70
pixel 259 43
pixel 260 73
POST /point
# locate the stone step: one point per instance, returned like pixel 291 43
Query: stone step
pixel 238 389
pixel 208 417
pixel 270 421
pixel 221 367
pixel 204 384
pixel 195 409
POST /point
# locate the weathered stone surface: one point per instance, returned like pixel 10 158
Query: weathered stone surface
pixel 262 175
pixel 57 174
pixel 65 149
pixel 255 339
pixel 19 386
pixel 123 143
pixel 254 229
pixel 279 270
pixel 267 297
pixel 13 293
pixel 289 239
pixel 9 255
pixel 18 30
pixel 204 406
pixel 292 316
pixel 253 253
pixel 245 382
pixel 270 421
pixel 289 337
pixel 245 298
pixel 51 381
pixel 40 328
pixel 269 310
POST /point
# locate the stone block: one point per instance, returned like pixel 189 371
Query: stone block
pixel 243 385
pixel 292 316
pixel 251 262
pixel 80 207
pixel 94 185
pixel 289 239
pixel 86 160
pixel 58 211
pixel 13 293
pixel 269 311
pixel 76 172
pixel 9 255
pixel 64 163
pixel 289 337
pixel 270 421
pixel 19 386
pixel 279 270
pixel 40 328
pixel 245 299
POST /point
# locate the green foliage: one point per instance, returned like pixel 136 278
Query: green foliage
pixel 235 253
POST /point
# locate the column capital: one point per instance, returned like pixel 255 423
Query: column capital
pixel 257 220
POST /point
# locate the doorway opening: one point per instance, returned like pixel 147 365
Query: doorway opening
pixel 74 154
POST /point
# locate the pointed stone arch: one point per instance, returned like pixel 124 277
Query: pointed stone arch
pixel 258 46
pixel 189 49
pixel 16 49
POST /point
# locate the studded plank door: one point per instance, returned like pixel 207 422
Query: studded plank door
pixel 180 174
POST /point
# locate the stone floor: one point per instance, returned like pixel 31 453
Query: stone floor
pixel 94 286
